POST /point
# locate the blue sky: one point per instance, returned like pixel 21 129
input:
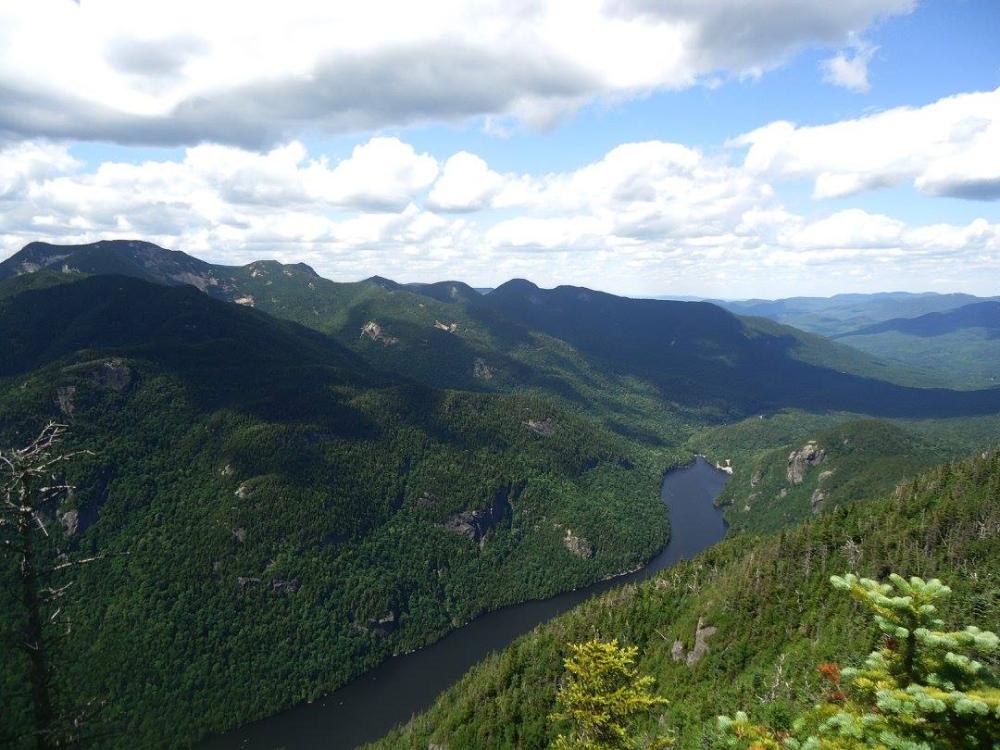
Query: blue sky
pixel 174 142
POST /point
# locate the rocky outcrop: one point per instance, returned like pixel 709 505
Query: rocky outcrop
pixel 799 461
pixel 701 635
pixel 70 521
pixel 726 467
pixel 245 582
pixel 113 374
pixel 816 501
pixel 482 370
pixel 578 545
pixel 280 586
pixel 475 524
pixel 755 478
pixel 240 534
pixel 243 491
pixel 246 300
pixel 384 625
pixel 465 523
pixel 375 332
pixel 446 327
pixel 66 399
pixel 544 427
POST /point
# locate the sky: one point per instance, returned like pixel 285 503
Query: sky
pixel 721 148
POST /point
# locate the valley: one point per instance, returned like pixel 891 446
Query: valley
pixel 304 480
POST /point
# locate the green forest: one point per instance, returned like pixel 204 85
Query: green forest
pixel 277 496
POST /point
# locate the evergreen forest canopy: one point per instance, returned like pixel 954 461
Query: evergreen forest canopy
pixel 369 465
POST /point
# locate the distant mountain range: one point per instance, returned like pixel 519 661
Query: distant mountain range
pixel 899 327
pixel 830 316
pixel 366 464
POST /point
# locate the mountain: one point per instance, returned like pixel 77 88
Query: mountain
pixel 255 477
pixel 696 353
pixel 984 315
pixel 762 605
pixel 840 313
pixel 367 465
pixel 959 347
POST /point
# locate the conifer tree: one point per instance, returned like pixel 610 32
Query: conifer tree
pixel 601 696
pixel 925 688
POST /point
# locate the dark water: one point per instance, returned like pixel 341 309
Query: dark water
pixel 364 710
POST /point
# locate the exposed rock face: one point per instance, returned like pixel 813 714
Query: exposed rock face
pixel 243 491
pixel 755 479
pixel 808 455
pixel 384 625
pixel 446 327
pixel 279 586
pixel 245 582
pixel 240 534
pixel 726 467
pixel 677 651
pixel 227 470
pixel 70 521
pixel 544 427
pixel 66 399
pixel 701 635
pixel 482 370
pixel 816 501
pixel 578 545
pixel 825 474
pixel 375 332
pixel 464 523
pixel 113 374
pixel 475 524
pixel 246 300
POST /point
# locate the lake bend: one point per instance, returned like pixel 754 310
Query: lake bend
pixel 367 708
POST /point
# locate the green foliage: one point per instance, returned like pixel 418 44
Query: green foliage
pixel 924 688
pixel 860 457
pixel 768 598
pixel 265 480
pixel 601 696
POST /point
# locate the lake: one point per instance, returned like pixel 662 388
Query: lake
pixel 368 707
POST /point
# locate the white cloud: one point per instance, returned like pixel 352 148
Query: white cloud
pixel 22 164
pixel 850 70
pixel 950 147
pixel 466 184
pixel 649 217
pixel 253 74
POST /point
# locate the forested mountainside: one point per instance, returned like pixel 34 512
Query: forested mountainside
pixel 959 348
pixel 793 465
pixel 586 348
pixel 759 607
pixel 260 480
pixel 366 465
pixel 832 316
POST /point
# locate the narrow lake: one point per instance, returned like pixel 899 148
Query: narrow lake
pixel 364 710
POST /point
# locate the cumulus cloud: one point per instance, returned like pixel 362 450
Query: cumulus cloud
pixel 950 147
pixel 646 217
pixel 850 69
pixel 466 184
pixel 253 74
